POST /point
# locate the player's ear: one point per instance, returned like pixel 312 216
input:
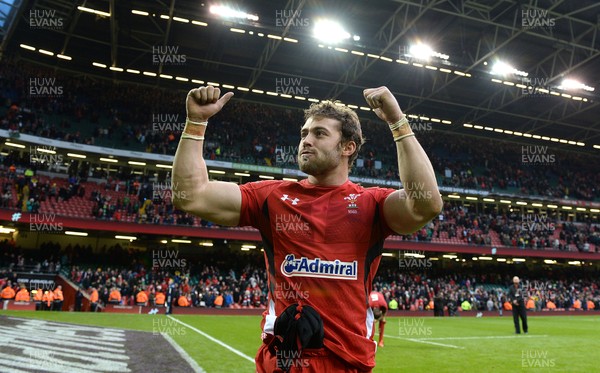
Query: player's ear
pixel 348 148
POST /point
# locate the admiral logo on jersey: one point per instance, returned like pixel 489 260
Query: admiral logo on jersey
pixel 305 267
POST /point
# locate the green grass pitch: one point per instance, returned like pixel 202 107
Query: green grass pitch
pixel 460 344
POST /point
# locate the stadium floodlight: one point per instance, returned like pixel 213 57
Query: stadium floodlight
pixel 570 84
pixel 414 255
pixel 176 240
pixel 74 233
pixel 14 145
pixel 330 31
pixel 130 238
pixel 424 52
pixel 6 230
pixel 48 151
pixel 227 12
pixel 503 69
pixel 94 11
pixel 109 160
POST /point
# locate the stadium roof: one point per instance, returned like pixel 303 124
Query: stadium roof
pixel 278 53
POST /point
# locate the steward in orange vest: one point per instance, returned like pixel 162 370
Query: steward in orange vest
pixel 58 299
pixel 22 295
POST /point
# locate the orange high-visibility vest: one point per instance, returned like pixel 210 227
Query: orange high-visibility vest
pixel 183 302
pixel 141 297
pixel 22 296
pixel 114 295
pixel 530 304
pixel 48 298
pixel 94 296
pixel 58 294
pixel 7 293
pixel 159 298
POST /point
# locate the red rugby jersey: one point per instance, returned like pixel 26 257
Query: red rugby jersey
pixel 322 247
pixel 376 299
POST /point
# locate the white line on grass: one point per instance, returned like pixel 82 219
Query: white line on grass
pixel 426 342
pixel 483 337
pixel 237 352
pixel 197 368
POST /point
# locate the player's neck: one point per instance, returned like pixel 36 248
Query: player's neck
pixel 335 178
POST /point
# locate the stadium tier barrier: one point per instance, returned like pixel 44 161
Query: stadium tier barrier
pixel 111 308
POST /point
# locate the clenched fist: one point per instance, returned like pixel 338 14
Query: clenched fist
pixel 383 102
pixel 204 102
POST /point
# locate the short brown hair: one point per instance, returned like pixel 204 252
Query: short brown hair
pixel 351 130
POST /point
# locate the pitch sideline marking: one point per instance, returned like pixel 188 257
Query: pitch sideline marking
pixel 222 344
pixel 426 342
pixel 483 337
pixel 197 368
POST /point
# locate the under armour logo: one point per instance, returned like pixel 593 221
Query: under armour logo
pixel 287 198
pixel 16 216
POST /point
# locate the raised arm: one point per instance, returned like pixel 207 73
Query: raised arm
pixel 410 208
pixel 216 201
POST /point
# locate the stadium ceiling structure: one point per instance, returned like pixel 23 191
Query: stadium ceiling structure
pixel 274 56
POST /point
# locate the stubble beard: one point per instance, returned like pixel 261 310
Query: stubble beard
pixel 321 163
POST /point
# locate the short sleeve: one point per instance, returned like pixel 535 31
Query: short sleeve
pixel 254 196
pixel 380 195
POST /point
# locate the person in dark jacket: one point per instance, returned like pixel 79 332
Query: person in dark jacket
pixel 517 296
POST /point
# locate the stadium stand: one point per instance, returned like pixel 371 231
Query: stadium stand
pixel 258 134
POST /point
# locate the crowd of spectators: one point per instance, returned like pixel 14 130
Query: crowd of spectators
pixel 14 259
pixel 260 134
pixel 482 226
pixel 417 290
pixel 242 283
